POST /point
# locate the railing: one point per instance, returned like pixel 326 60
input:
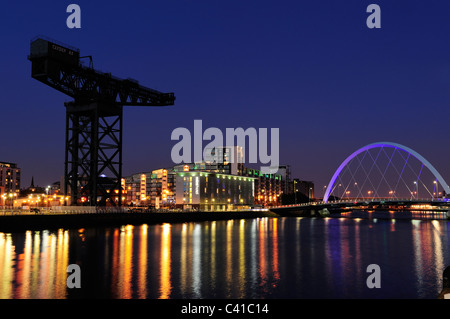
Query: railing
pixel 55 210
pixel 64 210
pixel 369 201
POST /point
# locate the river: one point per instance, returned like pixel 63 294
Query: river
pixel 283 258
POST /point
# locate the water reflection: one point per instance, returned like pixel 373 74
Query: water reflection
pixel 196 260
pixel 142 277
pixel 33 265
pixel 253 258
pixel 166 286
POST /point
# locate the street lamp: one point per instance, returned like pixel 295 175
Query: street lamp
pixel 10 199
pixel 14 195
pixel 295 192
pixel 435 187
pixel 47 189
pixel 417 190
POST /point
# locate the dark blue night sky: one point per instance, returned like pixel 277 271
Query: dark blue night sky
pixel 311 68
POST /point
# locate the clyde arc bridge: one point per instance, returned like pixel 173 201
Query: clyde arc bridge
pixel 385 175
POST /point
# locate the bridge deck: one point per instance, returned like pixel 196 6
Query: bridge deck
pixel 405 202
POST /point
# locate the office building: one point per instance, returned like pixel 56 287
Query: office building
pixel 226 159
pixel 268 187
pixel 213 191
pixel 304 187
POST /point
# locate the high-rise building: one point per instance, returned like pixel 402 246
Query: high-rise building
pixel 284 171
pixel 151 189
pixel 304 187
pixel 137 187
pixel 9 182
pixel 131 186
pixel 162 188
pixel 268 187
pixel 229 158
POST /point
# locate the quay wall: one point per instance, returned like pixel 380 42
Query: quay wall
pixel 10 223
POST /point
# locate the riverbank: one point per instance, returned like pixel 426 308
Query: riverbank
pixel 85 220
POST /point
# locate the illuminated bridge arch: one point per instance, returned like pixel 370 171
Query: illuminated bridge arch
pixel 363 154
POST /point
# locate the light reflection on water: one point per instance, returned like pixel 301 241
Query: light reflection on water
pixel 253 258
pixel 33 265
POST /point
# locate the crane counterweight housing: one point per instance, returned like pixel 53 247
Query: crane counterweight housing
pixel 41 48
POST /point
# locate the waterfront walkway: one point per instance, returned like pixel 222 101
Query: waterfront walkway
pixel 8 211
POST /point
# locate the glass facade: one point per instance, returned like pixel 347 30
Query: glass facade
pixel 212 191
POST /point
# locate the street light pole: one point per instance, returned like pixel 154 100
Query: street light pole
pixel 417 190
pixel 295 192
pixel 11 200
pixel 47 189
pixel 437 188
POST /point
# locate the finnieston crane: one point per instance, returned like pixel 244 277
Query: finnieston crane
pixel 93 147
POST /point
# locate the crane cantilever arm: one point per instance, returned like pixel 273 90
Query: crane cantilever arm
pixel 59 68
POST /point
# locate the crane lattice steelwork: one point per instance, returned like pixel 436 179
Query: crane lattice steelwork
pixel 93 148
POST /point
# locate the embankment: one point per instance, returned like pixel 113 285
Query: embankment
pixel 55 221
